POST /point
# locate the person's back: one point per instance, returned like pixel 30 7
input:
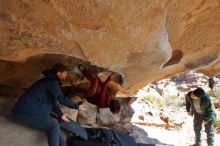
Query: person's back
pixel 37 99
pixel 100 101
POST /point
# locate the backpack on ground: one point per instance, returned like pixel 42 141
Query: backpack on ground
pixel 104 137
pixel 80 136
pixel 96 137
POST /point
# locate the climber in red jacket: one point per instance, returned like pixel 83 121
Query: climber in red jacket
pixel 98 93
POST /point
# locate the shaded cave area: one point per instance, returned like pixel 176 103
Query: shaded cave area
pixel 16 77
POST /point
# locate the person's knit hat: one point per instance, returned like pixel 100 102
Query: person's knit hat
pixel 199 92
pixel 60 67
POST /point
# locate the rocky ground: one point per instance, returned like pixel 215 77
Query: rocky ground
pixel 160 109
pixel 179 134
pixel 183 137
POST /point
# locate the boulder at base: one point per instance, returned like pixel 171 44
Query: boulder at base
pixel 12 134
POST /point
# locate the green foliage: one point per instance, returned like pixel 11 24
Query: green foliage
pixel 174 102
pixel 215 92
pixel 155 101
pixel 171 101
pixel 217 124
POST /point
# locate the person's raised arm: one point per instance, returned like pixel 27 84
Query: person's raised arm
pixel 188 104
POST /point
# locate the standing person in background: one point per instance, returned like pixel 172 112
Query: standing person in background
pixel 217 103
pixel 35 106
pixel 200 105
pixel 211 84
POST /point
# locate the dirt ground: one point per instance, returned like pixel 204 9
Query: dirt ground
pixel 182 137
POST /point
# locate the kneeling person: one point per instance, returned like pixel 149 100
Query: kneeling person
pixel 35 106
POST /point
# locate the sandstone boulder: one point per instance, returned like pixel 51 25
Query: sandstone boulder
pixel 12 134
pixel 143 41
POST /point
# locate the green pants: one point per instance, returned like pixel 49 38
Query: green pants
pixel 209 129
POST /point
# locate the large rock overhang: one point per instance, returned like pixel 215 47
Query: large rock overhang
pixel 143 41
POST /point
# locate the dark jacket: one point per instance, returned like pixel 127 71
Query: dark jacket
pixel 206 106
pixel 40 98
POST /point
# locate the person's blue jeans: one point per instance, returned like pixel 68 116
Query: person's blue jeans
pixel 46 124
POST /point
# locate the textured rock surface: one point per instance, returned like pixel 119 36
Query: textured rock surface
pixel 141 40
pixel 90 114
pixel 87 114
pixel 106 118
pixel 6 105
pixel 16 135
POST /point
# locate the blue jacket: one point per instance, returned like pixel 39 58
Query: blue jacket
pixel 40 98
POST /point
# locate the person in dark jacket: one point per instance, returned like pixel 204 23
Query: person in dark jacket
pixel 200 105
pixel 35 106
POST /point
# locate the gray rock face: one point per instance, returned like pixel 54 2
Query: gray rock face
pixel 87 114
pixel 6 104
pixel 105 117
pixel 12 134
pixel 90 114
